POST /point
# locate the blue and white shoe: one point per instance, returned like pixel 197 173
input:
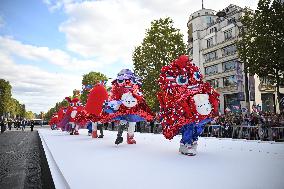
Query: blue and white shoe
pixel 187 149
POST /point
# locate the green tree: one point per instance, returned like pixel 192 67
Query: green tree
pixel 162 44
pixel 5 96
pixel 49 113
pixel 91 78
pixel 29 115
pixel 7 103
pixel 262 43
pixel 14 107
pixel 54 109
pixel 22 110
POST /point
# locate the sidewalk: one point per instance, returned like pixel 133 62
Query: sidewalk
pixel 22 161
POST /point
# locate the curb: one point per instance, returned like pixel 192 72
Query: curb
pixel 57 176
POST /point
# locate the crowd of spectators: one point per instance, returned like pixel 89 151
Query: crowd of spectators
pixel 256 126
pixel 17 124
pixel 253 119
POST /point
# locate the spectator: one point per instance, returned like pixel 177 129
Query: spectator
pixel 10 122
pixel 18 124
pixel 2 124
pixel 23 124
pixel 32 125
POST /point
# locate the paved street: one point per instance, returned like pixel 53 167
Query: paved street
pixel 23 163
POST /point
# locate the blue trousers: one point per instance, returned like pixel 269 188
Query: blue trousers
pixel 190 132
pixel 89 127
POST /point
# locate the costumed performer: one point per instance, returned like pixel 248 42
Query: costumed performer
pixel 91 114
pixel 186 102
pixel 127 104
pixel 74 107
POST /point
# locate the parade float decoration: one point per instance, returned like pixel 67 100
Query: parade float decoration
pixel 68 122
pixel 91 114
pixel 57 117
pixel 53 121
pixel 186 102
pixel 127 104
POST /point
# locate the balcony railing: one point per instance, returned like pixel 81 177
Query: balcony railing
pixel 220 43
pixel 212 73
pixel 211 59
pixel 223 56
pixel 229 54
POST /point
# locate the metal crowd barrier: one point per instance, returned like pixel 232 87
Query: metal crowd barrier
pixel 259 132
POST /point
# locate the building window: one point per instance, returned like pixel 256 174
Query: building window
pixel 214 83
pixel 230 65
pixel 213 30
pixel 209 21
pixel 231 101
pixel 210 56
pixel 229 50
pixel 232 20
pixel 268 102
pixel 230 81
pixel 266 83
pixel 228 34
pixel 211 70
pixel 210 42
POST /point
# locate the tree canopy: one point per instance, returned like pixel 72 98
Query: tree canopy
pixel 6 96
pixel 91 78
pixel 29 115
pixel 54 109
pixel 9 105
pixel 262 43
pixel 162 44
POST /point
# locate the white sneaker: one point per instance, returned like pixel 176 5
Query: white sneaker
pixel 187 149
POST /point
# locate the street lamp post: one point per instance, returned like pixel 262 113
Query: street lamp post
pixel 222 14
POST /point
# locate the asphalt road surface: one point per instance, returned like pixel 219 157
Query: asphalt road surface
pixel 22 161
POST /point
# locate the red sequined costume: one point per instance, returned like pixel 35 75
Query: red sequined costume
pixel 187 103
pixel 91 114
pixel 57 117
pixel 127 104
pixel 69 123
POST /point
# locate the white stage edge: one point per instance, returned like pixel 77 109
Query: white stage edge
pixel 154 162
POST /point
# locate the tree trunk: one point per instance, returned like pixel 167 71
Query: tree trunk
pixel 277 87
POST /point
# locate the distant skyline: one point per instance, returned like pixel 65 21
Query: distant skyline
pixel 47 45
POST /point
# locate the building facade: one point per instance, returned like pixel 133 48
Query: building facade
pixel 212 46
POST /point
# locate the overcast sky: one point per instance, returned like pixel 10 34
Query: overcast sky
pixel 46 45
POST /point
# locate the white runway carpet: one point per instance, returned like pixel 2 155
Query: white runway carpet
pixel 81 162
